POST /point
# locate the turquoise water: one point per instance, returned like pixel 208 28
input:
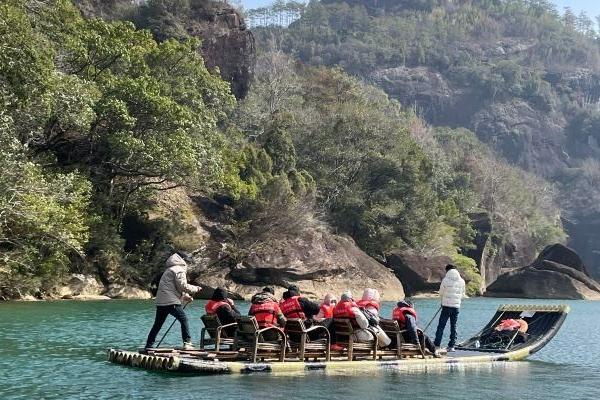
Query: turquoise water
pixel 58 350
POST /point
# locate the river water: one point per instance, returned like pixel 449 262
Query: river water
pixel 58 350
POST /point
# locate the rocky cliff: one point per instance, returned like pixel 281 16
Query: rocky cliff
pixel 557 273
pixel 227 44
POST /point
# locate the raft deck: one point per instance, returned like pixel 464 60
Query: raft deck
pixel 544 322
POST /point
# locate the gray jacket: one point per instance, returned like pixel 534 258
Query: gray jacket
pixel 174 282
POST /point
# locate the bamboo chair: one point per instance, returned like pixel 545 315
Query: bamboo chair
pixel 217 333
pixel 249 340
pixel 392 329
pixel 344 336
pixel 301 343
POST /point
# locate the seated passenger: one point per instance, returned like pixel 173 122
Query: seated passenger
pixel 294 305
pixel 406 315
pixel 370 305
pixel 326 308
pixel 265 309
pixel 223 307
pixel 347 308
pixel 506 328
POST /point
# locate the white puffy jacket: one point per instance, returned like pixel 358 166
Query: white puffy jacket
pixel 452 289
pixel 173 282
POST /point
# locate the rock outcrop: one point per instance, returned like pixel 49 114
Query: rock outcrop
pixel 316 260
pixel 80 285
pixel 494 255
pixel 557 273
pixel 418 273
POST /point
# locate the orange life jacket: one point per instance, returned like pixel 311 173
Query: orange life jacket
pixel 368 303
pixel 343 309
pixel 327 310
pixel 291 308
pixel 213 305
pixel 398 315
pixel 265 313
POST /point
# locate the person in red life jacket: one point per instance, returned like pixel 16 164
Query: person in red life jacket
pixel 513 324
pixel 266 310
pixel 504 332
pixel 406 315
pixel 224 308
pixel 370 304
pixel 326 308
pixel 294 305
pixel 347 308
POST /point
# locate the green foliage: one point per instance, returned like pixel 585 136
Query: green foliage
pixel 112 115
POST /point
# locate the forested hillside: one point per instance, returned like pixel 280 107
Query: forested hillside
pixel 518 74
pixel 114 138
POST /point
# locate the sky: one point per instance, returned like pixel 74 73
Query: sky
pixel 591 7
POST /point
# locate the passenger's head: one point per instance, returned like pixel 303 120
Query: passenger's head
pixel 346 296
pixel 175 259
pixel 269 289
pixel 449 267
pixel 371 294
pixel 219 294
pixel 286 295
pixel 405 303
pixel 294 290
pixel 328 299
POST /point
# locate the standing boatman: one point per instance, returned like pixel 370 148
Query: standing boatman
pixel 172 290
pixel 452 290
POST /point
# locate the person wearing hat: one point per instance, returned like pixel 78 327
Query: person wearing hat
pixel 224 308
pixel 265 308
pixel 406 315
pixel 173 289
pixel 452 290
pixel 294 305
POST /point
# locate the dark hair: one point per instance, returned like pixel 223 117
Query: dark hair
pixel 219 294
pixel 269 289
pixel 405 303
pixel 449 267
pixel 286 295
pixel 294 290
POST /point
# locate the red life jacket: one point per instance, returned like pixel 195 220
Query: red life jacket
pixel 213 305
pixel 398 315
pixel 343 309
pixel 291 308
pixel 368 303
pixel 265 313
pixel 327 310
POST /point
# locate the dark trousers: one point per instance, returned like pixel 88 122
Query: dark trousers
pixel 447 313
pixel 162 312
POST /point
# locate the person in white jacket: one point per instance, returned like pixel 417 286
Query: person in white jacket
pixel 452 290
pixel 172 290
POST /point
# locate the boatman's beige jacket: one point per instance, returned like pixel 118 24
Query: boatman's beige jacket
pixel 173 282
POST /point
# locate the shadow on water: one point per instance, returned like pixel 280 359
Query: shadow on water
pixel 58 350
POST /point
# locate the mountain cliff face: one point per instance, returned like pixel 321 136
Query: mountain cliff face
pixel 519 75
pixel 227 44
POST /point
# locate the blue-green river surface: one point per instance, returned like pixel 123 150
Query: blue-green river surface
pixel 58 350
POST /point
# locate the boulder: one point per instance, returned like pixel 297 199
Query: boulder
pixel 118 291
pixel 80 285
pixel 494 255
pixel 418 273
pixel 316 260
pixel 548 278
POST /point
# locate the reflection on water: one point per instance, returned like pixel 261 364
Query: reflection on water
pixel 58 350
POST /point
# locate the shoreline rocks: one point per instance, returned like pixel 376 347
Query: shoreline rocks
pixel 557 273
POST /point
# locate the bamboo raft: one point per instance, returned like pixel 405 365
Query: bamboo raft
pixel 544 322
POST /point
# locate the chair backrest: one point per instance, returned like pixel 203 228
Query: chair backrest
pixel 294 328
pixel 389 326
pixel 343 329
pixel 295 325
pixel 247 326
pixel 211 323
